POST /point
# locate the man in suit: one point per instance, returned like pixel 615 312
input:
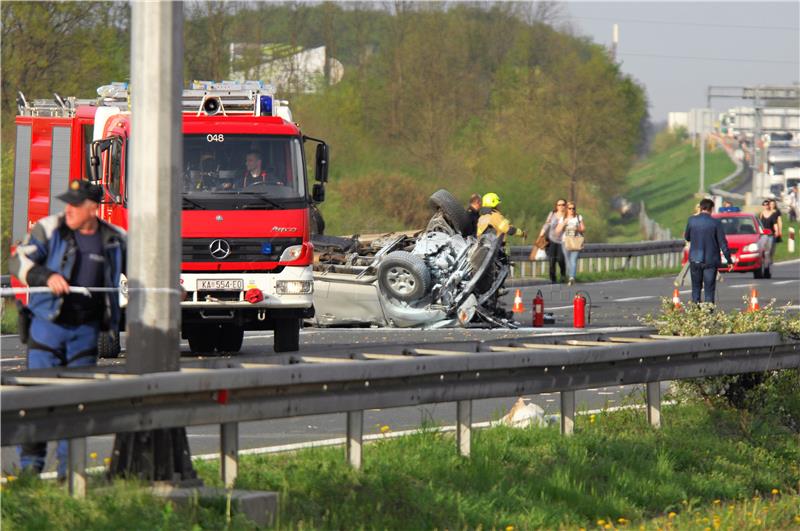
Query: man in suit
pixel 706 240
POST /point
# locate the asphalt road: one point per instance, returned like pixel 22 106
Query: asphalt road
pixel 617 303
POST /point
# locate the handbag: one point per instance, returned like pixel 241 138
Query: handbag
pixel 541 242
pixel 573 243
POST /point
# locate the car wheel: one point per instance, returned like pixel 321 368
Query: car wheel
pixel 287 335
pixel 108 345
pixel 759 273
pixel 452 211
pixel 404 276
pixel 201 341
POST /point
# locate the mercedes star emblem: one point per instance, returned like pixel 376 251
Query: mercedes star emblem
pixel 219 249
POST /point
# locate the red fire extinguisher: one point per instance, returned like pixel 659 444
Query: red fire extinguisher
pixel 538 309
pixel 579 315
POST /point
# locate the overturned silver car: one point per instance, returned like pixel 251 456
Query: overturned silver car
pixel 438 277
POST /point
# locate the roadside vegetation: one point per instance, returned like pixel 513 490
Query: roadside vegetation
pixel 667 181
pixel 706 465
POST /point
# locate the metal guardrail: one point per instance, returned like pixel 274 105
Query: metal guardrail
pixel 76 403
pixel 607 257
pixel 717 189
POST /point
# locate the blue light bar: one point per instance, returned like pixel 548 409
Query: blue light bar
pixel 266 105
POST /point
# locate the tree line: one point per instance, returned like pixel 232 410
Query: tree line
pixel 467 96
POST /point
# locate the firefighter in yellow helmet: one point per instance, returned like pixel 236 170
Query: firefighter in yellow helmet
pixel 491 217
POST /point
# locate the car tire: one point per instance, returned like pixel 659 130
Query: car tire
pixel 452 211
pixel 287 335
pixel 108 345
pixel 404 276
pixel 230 338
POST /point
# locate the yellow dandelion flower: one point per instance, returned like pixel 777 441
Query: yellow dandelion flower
pixel 758 521
pixel 508 527
pixel 11 478
pixel 581 529
pixel 731 507
pixel 385 429
pixel 672 515
pixel 707 529
pixel 717 502
pixel 601 522
pixel 106 460
pixel 797 518
pixel 608 526
pixel 775 491
pixel 622 520
pixel 93 455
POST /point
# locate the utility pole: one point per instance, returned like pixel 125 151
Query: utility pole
pixel 614 42
pixel 156 158
pixel 154 243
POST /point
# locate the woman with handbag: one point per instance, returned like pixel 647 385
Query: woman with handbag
pixel 572 228
pixel 554 252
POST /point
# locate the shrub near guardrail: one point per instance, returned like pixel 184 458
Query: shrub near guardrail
pixel 776 393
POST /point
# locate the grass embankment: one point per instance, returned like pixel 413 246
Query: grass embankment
pixel 667 182
pixel 701 470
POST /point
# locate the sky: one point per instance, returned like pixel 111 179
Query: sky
pixel 677 49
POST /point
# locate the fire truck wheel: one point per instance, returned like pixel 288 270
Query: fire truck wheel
pixel 201 341
pixel 404 276
pixel 108 345
pixel 230 338
pixel 453 212
pixel 287 334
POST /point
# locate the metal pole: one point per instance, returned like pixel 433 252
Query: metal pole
pixel 355 435
pixel 76 460
pixel 156 158
pixel 654 404
pixel 464 414
pixel 229 453
pixel 567 412
pixel 702 155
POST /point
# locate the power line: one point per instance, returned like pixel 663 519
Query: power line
pixel 696 58
pixel 697 24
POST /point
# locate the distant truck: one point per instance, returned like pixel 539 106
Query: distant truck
pixel 779 161
pixel 246 252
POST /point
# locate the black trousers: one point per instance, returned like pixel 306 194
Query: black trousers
pixel 556 255
pixel 704 277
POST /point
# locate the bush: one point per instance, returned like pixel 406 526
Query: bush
pixel 775 393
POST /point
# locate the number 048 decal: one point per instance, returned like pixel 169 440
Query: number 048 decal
pixel 215 138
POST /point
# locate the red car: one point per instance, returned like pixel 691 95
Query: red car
pixel 750 243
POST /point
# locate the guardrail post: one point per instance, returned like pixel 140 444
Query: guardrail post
pixel 76 461
pixel 654 404
pixel 567 412
pixel 229 452
pixel 355 435
pixel 464 430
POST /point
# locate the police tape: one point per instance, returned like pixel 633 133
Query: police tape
pixel 81 290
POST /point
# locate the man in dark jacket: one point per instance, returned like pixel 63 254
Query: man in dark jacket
pixel 73 249
pixel 473 213
pixel 706 240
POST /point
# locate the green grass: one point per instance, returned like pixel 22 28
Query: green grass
pixel 782 252
pixel 615 466
pixel 8 319
pixel 667 183
pixel 628 273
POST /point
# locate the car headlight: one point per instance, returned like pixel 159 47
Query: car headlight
pixel 294 287
pixel 751 248
pixel 290 254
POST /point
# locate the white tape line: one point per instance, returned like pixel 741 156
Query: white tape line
pixel 630 299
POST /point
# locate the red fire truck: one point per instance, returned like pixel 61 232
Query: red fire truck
pixel 247 208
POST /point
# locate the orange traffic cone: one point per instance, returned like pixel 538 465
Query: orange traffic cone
pixel 676 299
pixel 518 306
pixel 752 305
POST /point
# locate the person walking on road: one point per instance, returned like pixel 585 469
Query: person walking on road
pixel 62 251
pixel 706 240
pixel 794 203
pixel 555 254
pixel 474 212
pixel 770 218
pixel 571 230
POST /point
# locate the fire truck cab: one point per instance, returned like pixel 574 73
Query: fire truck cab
pixel 246 259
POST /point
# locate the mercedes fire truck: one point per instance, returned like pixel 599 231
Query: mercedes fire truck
pixel 247 207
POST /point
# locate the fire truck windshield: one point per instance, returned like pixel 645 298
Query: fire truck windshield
pixel 229 171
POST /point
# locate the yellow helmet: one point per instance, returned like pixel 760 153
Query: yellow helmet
pixel 490 200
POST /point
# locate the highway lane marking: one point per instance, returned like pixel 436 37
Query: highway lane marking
pixel 742 286
pixel 6 360
pixel 787 262
pixel 630 299
pixel 782 282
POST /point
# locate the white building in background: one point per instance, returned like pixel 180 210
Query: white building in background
pixel 288 68
pixel 677 119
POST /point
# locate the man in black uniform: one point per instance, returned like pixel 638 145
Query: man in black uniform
pixel 474 212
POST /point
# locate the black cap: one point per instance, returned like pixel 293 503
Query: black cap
pixel 80 191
